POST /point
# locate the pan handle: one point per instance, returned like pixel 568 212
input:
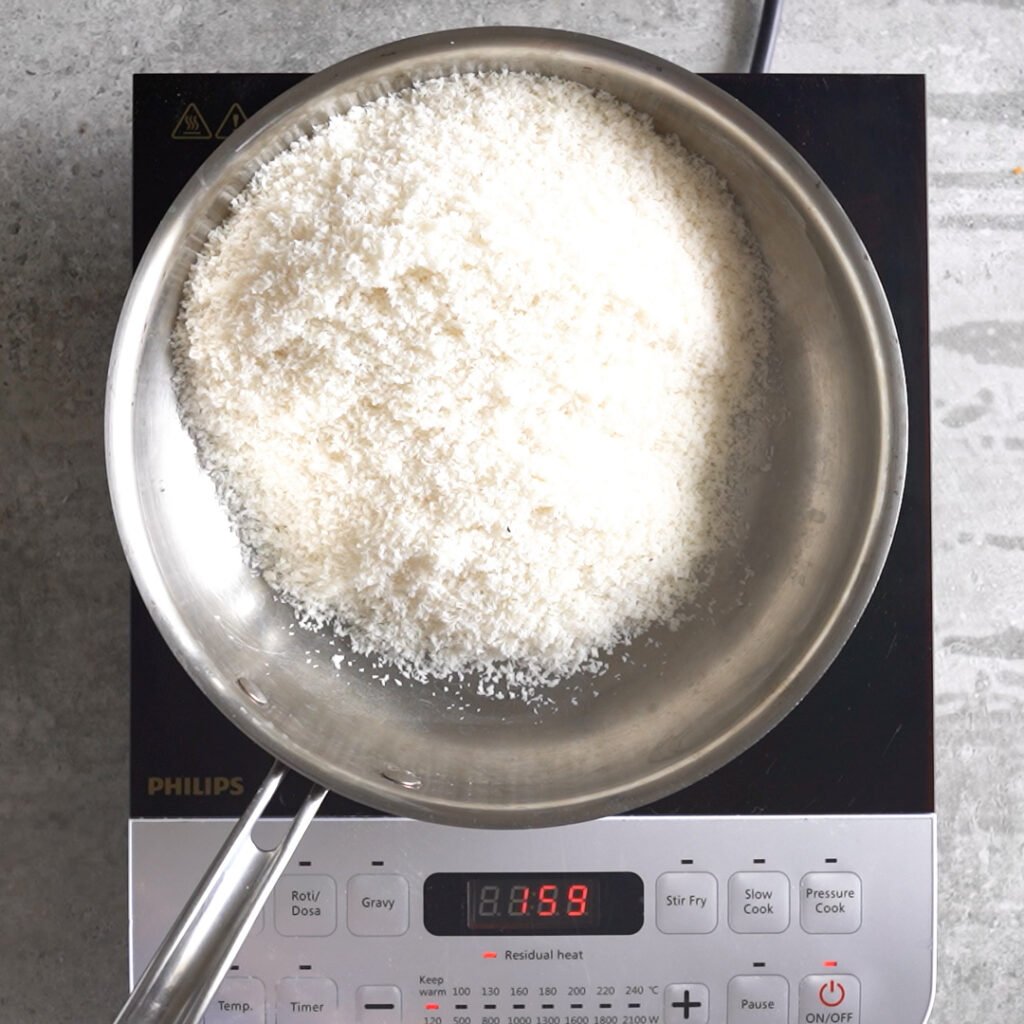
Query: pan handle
pixel 185 972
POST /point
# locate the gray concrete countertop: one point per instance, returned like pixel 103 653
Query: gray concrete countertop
pixel 64 249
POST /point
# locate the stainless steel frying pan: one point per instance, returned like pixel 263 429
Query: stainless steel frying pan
pixel 820 523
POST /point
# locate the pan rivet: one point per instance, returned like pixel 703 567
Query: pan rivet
pixel 252 691
pixel 401 777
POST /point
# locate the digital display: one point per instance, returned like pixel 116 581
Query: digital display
pixel 533 903
pixel 516 902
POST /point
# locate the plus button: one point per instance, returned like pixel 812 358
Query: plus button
pixel 686 1003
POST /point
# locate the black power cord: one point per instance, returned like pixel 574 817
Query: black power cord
pixel 765 46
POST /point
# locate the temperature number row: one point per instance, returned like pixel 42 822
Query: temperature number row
pixel 550 991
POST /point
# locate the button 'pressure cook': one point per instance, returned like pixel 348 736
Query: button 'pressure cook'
pixel 830 902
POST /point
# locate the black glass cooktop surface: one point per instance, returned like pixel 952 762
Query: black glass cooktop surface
pixel 861 742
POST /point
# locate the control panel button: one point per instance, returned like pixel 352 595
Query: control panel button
pixel 759 901
pixel 306 905
pixel 830 999
pixel 830 902
pixel 238 1001
pixel 686 1003
pixel 378 905
pixel 758 999
pixel 378 1004
pixel 687 902
pixel 307 999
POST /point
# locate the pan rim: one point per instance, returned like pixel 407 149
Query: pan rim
pixel 787 167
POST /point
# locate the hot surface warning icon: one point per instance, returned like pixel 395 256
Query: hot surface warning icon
pixel 232 119
pixel 191 125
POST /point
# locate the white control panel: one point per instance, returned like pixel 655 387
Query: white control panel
pixel 753 920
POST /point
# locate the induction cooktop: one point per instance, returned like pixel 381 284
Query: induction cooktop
pixel 794 883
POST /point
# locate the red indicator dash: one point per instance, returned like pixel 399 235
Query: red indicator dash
pixel 490 956
pixel 431 1006
pixel 830 963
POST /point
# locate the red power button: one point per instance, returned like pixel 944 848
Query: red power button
pixel 832 993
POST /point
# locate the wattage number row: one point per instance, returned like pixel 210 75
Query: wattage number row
pixel 572 1018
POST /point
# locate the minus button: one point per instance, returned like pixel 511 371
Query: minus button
pixel 378 1004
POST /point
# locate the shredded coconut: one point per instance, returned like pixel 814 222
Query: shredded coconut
pixel 473 365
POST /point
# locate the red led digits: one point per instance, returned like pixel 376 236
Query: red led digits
pixel 519 900
pixel 547 901
pixel 524 901
pixel 527 903
pixel 577 901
